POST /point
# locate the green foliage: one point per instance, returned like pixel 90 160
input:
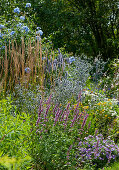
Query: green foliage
pixel 14 132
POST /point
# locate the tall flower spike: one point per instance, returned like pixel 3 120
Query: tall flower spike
pixel 84 121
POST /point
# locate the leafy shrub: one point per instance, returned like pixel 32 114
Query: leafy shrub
pixel 14 134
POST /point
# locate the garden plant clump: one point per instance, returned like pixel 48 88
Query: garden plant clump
pixel 58 110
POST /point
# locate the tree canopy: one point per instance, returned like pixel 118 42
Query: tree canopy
pixel 80 26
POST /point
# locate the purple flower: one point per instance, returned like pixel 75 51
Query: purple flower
pixel 84 121
pixel 89 125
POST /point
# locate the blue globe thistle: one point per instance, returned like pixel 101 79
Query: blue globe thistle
pixel 28 5
pixel 17 10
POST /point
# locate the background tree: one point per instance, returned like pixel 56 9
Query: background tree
pixel 80 26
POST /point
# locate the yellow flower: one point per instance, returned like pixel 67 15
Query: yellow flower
pixel 104 103
pixel 105 115
pixel 110 103
pixel 86 107
pixel 99 103
pixel 103 110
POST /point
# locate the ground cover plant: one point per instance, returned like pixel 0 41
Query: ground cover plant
pixel 57 110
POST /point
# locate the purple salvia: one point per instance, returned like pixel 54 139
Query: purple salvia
pixel 96 132
pixel 66 118
pixel 75 117
pixel 69 151
pixel 40 109
pixel 62 117
pixel 57 112
pixel 84 121
pixel 48 107
pixel 67 108
pixel 38 120
pixel 79 116
pixel 65 113
pixel 97 144
pixel 75 110
pixel 79 96
pixel 49 99
pixel 109 159
pixel 54 110
pixel 57 116
pixel 89 125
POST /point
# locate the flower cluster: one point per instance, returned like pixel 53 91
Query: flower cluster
pixel 97 150
pixel 22 18
pixel 17 10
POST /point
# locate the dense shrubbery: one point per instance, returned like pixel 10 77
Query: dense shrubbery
pixel 55 109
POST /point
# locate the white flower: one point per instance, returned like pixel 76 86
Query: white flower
pixel 114 113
